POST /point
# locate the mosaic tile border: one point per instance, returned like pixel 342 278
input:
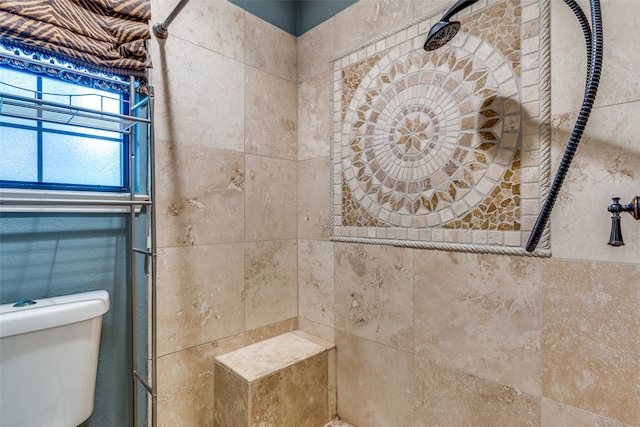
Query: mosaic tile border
pixel 446 150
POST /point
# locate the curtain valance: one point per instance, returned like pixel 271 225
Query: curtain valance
pixel 101 35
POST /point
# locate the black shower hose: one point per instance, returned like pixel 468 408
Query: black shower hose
pixel 594 38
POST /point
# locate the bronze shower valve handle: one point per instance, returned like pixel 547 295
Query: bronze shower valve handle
pixel 615 238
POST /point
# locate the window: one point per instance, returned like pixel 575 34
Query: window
pixel 53 146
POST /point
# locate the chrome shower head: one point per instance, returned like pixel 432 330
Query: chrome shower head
pixel 442 32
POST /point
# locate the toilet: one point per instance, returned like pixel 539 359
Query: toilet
pixel 49 358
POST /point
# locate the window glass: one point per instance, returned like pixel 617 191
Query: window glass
pixel 79 129
pixel 66 93
pixel 18 155
pixel 17 83
pixel 36 153
pixel 79 160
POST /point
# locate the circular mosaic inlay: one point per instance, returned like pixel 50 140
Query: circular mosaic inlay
pixel 423 135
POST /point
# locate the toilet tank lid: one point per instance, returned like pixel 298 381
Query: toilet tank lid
pixel 52 312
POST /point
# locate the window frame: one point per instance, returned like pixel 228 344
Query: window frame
pixel 24 196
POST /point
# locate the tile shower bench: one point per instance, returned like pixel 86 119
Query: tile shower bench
pixel 287 380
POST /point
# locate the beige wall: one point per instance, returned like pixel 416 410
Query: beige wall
pixel 435 338
pixel 423 337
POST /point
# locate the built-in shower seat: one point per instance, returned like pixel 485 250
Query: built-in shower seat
pixel 287 380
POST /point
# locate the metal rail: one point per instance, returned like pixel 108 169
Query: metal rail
pixel 12 201
pixel 20 107
pixel 161 30
pixel 150 382
pixel 153 278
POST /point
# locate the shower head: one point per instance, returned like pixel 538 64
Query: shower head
pixel 442 32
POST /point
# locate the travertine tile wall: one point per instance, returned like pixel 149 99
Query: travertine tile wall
pixel 430 338
pixel 423 337
pixel 226 144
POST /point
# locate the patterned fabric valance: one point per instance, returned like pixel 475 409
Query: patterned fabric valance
pixel 101 35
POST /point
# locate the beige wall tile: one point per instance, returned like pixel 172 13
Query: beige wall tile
pixel 378 392
pixel 199 96
pixel 374 293
pixel 270 198
pixel 315 281
pixel 590 344
pixel 185 384
pixel 568 56
pixel 309 326
pixel 271 330
pixel 555 414
pixel 313 112
pixel 313 117
pixel 200 196
pixel 430 8
pixel 314 221
pixel 620 80
pixel 605 166
pixel 448 397
pixel 269 48
pixel 480 313
pixel 315 51
pixel 199 295
pixel 368 19
pixel 216 25
pixel 271 115
pixel 270 285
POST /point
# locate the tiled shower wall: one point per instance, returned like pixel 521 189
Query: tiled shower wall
pixel 431 338
pixel 423 337
pixel 226 141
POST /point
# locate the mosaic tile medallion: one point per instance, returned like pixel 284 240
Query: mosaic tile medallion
pixel 444 149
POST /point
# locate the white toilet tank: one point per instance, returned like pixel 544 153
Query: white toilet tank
pixel 49 358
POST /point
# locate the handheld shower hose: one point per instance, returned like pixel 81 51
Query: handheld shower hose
pixel 594 55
